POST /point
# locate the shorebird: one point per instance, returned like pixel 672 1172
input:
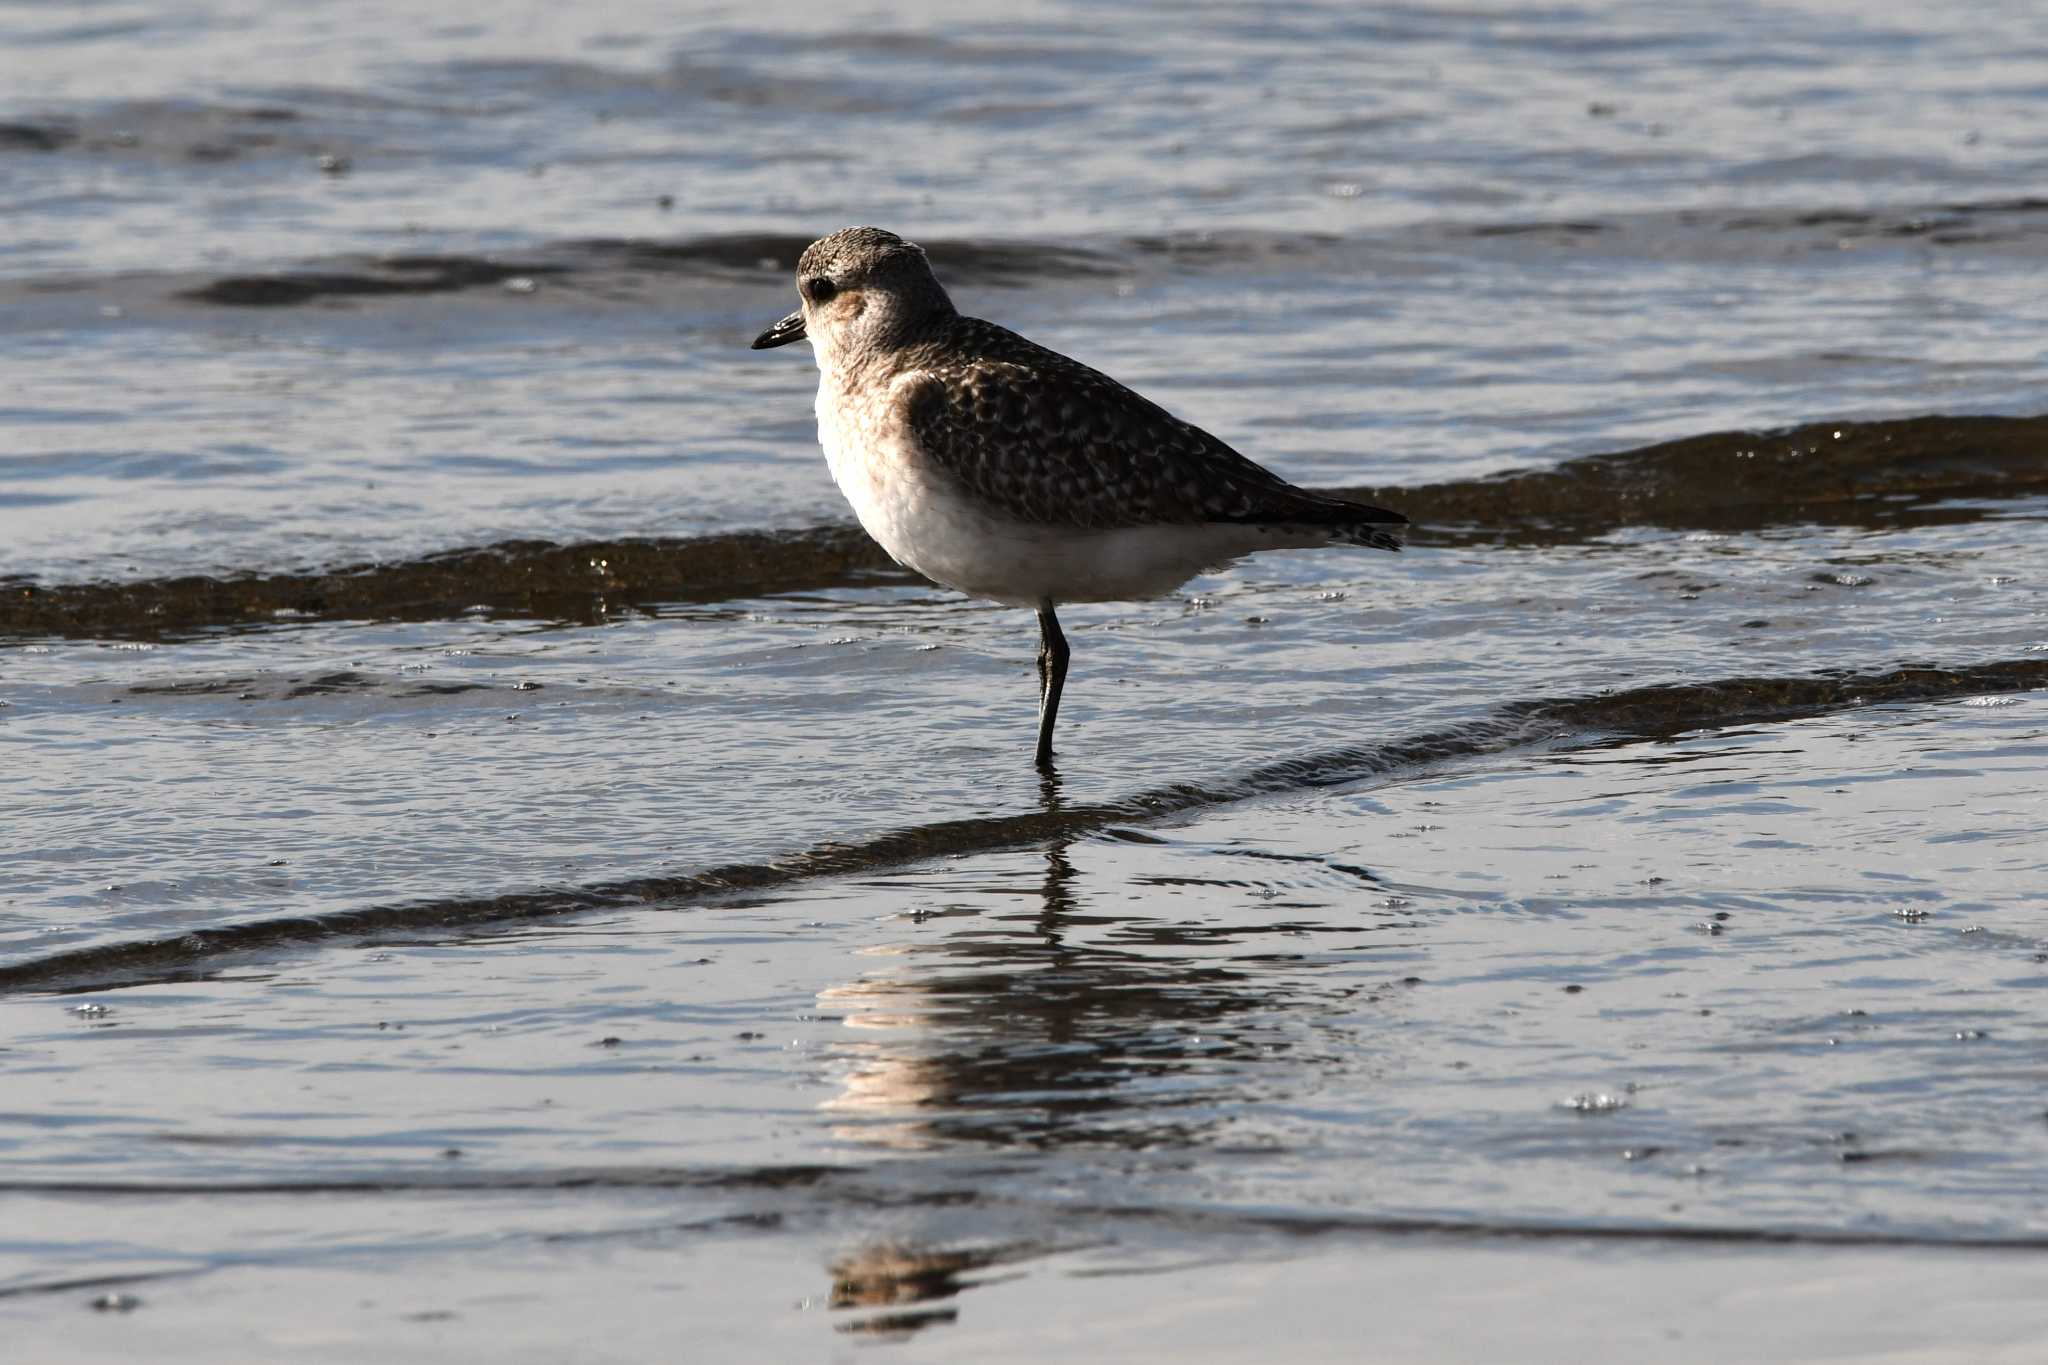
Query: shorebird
pixel 995 466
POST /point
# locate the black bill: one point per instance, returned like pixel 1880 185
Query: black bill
pixel 782 333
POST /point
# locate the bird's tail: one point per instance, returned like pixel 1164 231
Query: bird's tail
pixel 1377 535
pixel 1336 520
pixel 1351 523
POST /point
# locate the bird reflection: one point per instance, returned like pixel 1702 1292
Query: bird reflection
pixel 1057 890
pixel 1042 1006
pixel 1064 1024
pixel 911 1284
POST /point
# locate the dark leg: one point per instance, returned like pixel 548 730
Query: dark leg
pixel 1052 676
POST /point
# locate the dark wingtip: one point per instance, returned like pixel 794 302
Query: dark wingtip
pixel 1345 522
pixel 1373 537
pixel 1376 527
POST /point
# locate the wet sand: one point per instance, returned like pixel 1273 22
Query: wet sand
pixel 1413 1299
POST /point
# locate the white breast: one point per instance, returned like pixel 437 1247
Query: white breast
pixel 899 499
pixel 916 513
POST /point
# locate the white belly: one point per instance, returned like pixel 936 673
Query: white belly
pixel 916 513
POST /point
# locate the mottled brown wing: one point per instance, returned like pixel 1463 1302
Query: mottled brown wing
pixel 1048 441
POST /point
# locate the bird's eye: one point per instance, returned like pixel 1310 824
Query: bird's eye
pixel 818 289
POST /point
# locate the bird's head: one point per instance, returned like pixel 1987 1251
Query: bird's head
pixel 862 288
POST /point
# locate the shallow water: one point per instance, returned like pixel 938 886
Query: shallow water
pixel 484 834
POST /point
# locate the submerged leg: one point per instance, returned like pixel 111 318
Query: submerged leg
pixel 1052 676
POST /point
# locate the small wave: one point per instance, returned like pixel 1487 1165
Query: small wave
pixel 1871 474
pixel 190 131
pixel 388 275
pixel 606 263
pixel 1638 713
pixel 580 582
pixel 616 268
pixel 868 1187
pixel 1892 473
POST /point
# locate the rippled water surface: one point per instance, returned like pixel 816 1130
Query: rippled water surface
pixel 497 867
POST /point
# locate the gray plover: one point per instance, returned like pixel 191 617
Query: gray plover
pixel 992 465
